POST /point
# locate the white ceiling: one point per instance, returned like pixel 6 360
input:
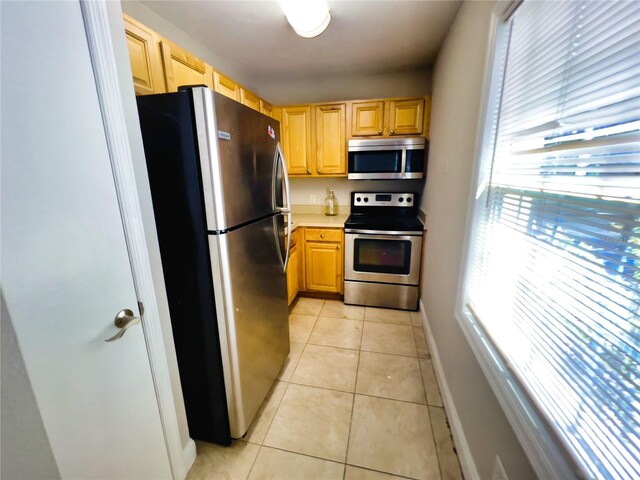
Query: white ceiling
pixel 363 38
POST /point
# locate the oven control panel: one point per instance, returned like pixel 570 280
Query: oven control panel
pixel 369 199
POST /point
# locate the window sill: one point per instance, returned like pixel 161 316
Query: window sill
pixel 547 456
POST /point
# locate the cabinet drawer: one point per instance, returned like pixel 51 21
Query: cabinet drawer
pixel 323 235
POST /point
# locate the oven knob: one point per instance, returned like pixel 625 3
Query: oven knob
pixel 366 199
pixel 401 199
pixel 358 199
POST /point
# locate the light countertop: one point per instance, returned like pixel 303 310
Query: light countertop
pixel 318 220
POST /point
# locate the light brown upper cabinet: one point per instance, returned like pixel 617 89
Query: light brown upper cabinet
pixel 427 117
pixel 406 116
pixel 144 55
pixel 277 114
pixel 386 118
pixel 367 119
pixel 330 139
pixel 182 68
pixel 226 86
pixel 296 139
pixel 266 107
pixel 249 99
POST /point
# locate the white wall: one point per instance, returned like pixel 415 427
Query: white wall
pixel 25 451
pixel 313 89
pixel 457 85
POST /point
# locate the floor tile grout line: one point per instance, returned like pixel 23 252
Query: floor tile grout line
pixel 379 471
pixel 276 410
pixel 290 381
pixel 300 453
pixel 253 464
pixel 426 396
pixel 362 394
pixel 353 405
pixel 424 386
pixel 401 355
pixel 435 445
pixel 345 464
pixel 367 351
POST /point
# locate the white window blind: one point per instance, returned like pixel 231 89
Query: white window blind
pixel 554 278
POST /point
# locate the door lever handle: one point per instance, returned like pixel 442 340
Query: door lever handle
pixel 124 320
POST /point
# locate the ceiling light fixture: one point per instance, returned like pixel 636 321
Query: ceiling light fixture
pixel 309 18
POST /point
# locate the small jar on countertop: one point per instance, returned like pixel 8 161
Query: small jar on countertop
pixel 331 204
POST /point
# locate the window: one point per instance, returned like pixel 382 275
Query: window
pixel 553 279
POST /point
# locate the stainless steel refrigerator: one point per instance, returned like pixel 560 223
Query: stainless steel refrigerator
pixel 220 198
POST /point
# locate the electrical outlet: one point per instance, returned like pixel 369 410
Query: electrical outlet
pixel 312 199
pixel 498 471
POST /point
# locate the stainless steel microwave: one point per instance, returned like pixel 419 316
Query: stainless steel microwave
pixel 387 158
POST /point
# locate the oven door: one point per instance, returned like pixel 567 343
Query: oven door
pixel 382 257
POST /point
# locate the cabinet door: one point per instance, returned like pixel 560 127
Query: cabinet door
pixel 323 261
pixel 296 139
pixel 249 99
pixel 277 114
pixel 367 118
pixel 266 108
pixel 427 116
pixel 331 129
pixel 226 86
pixel 182 68
pixel 293 280
pixel 406 116
pixel 144 55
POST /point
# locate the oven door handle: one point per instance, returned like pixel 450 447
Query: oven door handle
pixel 383 234
pixel 382 237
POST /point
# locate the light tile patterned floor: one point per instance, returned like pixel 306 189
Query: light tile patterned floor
pixel 357 399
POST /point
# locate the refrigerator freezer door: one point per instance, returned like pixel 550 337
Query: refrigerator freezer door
pixel 251 296
pixel 237 147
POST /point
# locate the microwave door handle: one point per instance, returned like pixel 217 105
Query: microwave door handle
pixel 403 162
pixel 286 209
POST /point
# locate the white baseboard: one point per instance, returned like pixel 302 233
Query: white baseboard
pixel 188 457
pixel 467 464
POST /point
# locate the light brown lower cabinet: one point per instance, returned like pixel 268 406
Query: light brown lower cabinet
pixel 323 260
pixel 293 275
pixel 294 267
pixel 315 261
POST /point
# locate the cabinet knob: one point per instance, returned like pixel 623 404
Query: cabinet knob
pixel 392 132
pixel 322 235
pixel 338 247
pixel 319 171
pixel 379 132
pixel 308 172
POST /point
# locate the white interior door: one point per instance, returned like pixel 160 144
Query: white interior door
pixel 65 267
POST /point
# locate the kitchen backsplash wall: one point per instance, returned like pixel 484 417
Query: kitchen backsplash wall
pixel 303 188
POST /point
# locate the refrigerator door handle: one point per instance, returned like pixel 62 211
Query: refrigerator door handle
pixel 286 209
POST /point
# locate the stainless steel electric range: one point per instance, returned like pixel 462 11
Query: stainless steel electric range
pixel 383 249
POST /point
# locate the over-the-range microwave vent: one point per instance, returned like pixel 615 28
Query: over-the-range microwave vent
pixel 387 158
